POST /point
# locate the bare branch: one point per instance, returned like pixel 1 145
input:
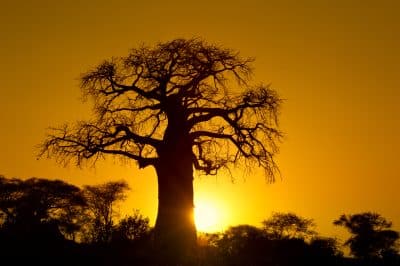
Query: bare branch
pixel 157 98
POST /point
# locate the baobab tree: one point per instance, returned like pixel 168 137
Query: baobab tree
pixel 178 106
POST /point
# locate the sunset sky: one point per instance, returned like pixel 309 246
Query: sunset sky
pixel 336 64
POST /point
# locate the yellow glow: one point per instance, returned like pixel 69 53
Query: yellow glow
pixel 207 217
pixel 336 66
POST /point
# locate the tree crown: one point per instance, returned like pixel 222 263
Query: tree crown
pixel 200 91
pixel 289 225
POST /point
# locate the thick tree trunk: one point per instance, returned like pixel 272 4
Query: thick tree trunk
pixel 175 231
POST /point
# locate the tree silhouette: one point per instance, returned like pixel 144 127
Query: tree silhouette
pixel 325 247
pixel 288 225
pixel 132 228
pixel 28 205
pixel 11 193
pixel 241 244
pixel 101 201
pixel 372 237
pixel 180 105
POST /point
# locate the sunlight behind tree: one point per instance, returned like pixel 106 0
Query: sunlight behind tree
pixel 183 101
pixel 208 216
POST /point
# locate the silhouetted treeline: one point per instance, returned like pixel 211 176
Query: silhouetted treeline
pixel 51 219
pixel 51 222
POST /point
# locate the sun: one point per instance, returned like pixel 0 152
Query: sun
pixel 207 217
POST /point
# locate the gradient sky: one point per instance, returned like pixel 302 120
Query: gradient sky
pixel 335 62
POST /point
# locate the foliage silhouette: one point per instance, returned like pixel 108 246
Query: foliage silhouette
pixel 241 243
pixel 38 205
pixel 102 200
pixel 132 228
pixel 180 105
pixel 288 226
pixel 38 217
pixel 249 245
pixel 371 235
pixel 326 246
pixel 41 241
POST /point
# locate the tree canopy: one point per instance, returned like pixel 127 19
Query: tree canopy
pixel 227 119
pixel 371 235
pixel 288 225
pixel 35 204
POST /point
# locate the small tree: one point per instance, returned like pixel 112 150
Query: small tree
pixel 371 235
pixel 178 106
pixel 325 247
pixel 288 225
pixel 240 241
pixel 102 200
pixel 132 228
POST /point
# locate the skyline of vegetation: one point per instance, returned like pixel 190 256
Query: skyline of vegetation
pixel 55 222
pixel 112 194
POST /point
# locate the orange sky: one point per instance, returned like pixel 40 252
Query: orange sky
pixel 335 62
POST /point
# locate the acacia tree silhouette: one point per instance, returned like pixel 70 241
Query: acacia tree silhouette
pixel 31 205
pixel 371 235
pixel 102 200
pixel 288 226
pixel 180 105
